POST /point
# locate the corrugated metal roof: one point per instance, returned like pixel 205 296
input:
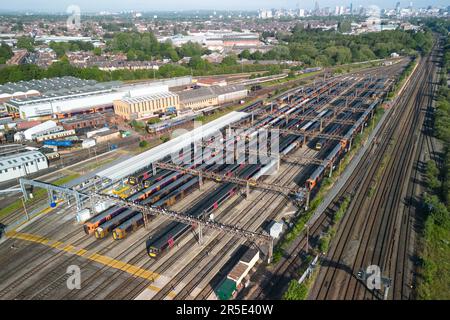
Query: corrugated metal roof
pixel 208 92
pixel 39 128
pixel 196 95
pixel 227 89
pixel 145 159
pixel 150 97
pixel 19 159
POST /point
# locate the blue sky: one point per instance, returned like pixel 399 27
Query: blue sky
pixel 151 5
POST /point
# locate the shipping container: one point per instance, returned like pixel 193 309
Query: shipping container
pixel 88 143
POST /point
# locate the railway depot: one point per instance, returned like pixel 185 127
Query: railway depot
pixel 165 219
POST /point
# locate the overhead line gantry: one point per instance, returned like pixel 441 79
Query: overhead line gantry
pixel 248 183
pixel 297 159
pixel 189 220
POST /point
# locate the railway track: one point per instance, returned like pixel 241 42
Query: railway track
pixel 404 279
pixel 273 283
pixel 56 277
pixel 374 236
pixel 253 224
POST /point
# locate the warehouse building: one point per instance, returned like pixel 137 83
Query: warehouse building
pixel 141 107
pixel 230 93
pixel 35 88
pixel 67 97
pixel 198 99
pixel 106 136
pixel 55 135
pixel 211 96
pixel 13 166
pixel 68 105
pixel 40 130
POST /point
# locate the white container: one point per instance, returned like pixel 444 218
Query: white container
pixel 83 215
pixel 102 206
pixel 88 143
pixel 276 229
pixel 90 134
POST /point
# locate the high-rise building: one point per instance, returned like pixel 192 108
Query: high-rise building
pixel 317 8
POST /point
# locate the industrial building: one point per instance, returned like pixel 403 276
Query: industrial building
pixel 211 96
pixel 106 136
pixel 21 164
pixel 85 121
pixel 39 130
pixel 23 90
pixel 140 107
pixel 198 99
pixel 55 135
pixel 67 97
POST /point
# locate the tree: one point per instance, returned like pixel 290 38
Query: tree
pixel 344 26
pixel 190 49
pixel 97 51
pixel 229 61
pixel 198 63
pixel 25 43
pixel 245 54
pixel 257 55
pixel 6 53
pixel 295 291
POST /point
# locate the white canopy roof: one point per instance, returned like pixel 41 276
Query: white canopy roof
pixel 132 165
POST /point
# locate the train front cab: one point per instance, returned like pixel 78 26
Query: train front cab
pixel 344 144
pixel 310 184
pixel 119 234
pixel 153 252
pixel 89 228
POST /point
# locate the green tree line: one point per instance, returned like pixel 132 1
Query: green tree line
pixel 434 279
pixel 329 48
pixel 62 68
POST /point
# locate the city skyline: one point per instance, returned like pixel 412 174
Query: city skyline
pixel 177 5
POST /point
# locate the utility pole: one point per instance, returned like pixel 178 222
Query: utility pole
pixel 25 208
pixel 307 238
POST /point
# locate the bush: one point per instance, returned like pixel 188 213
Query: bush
pixel 296 291
pixel 143 144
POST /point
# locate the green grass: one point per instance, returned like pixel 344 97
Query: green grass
pixel 98 164
pixel 434 249
pixel 434 279
pixel 296 291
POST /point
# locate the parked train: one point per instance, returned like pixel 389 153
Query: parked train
pixel 333 156
pixel 166 238
pixel 169 124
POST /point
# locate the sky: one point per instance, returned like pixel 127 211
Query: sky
pixel 172 5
